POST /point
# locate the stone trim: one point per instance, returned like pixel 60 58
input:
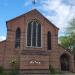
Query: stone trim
pixel 34 52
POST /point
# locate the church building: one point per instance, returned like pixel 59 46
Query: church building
pixel 32 43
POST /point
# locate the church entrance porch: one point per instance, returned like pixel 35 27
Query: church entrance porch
pixel 64 61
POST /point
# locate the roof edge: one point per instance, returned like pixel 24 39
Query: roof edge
pixel 31 11
pixel 20 15
pixel 69 50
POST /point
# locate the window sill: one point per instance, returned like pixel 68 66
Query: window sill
pixel 32 47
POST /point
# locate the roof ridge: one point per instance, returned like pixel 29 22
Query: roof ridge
pixel 39 13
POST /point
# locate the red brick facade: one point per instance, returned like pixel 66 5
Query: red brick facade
pixel 24 56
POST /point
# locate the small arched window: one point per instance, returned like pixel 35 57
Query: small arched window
pixel 34 34
pixel 49 40
pixel 17 38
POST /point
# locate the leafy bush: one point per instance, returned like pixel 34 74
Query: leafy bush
pixel 1 70
pixel 14 70
pixel 51 70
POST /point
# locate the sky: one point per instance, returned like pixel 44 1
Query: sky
pixel 59 12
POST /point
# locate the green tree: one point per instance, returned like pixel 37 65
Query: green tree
pixel 71 32
pixel 68 41
pixel 65 42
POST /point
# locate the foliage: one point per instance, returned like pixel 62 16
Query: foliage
pixel 1 70
pixel 51 70
pixel 65 42
pixel 14 70
pixel 68 41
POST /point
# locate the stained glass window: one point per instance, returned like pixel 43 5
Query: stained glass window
pixel 34 34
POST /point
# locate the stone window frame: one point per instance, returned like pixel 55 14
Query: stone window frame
pixel 17 37
pixel 36 37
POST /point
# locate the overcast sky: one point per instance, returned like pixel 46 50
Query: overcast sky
pixel 59 12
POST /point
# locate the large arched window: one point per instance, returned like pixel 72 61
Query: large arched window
pixel 17 38
pixel 49 40
pixel 34 34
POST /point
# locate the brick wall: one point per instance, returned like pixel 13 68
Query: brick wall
pixel 23 60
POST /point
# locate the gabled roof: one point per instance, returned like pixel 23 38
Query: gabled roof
pixel 35 10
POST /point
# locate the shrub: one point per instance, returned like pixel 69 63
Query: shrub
pixel 14 70
pixel 1 70
pixel 51 70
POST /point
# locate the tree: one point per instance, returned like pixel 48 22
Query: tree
pixel 68 41
pixel 71 32
pixel 64 41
